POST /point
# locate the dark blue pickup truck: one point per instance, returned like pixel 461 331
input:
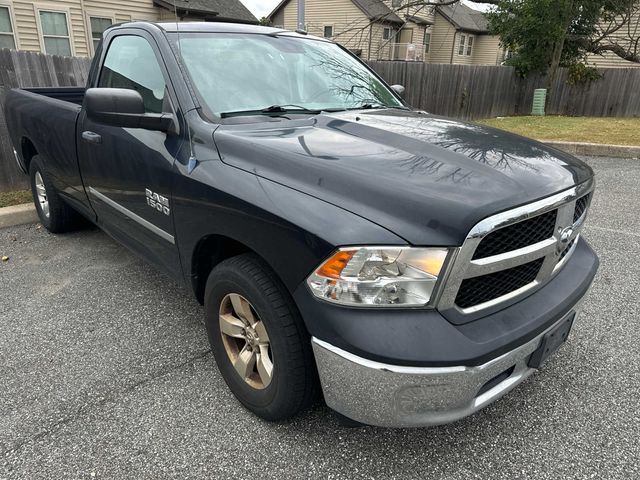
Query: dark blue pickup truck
pixel 411 268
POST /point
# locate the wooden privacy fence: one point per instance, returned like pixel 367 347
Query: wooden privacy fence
pixel 461 91
pixel 24 70
pixel 483 91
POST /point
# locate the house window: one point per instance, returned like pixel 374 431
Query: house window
pixel 7 38
pixel 466 45
pixel 427 42
pixel 328 31
pixel 461 46
pixel 387 33
pixel 98 26
pixel 55 32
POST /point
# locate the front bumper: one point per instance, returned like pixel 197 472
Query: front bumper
pixel 386 395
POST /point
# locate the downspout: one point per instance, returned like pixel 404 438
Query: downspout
pixel 87 28
pixel 370 38
pixel 453 47
pixel 301 15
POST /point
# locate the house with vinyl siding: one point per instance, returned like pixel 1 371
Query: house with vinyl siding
pixel 74 27
pixel 398 30
pixel 627 36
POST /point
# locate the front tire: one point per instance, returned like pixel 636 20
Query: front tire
pixel 54 214
pixel 259 341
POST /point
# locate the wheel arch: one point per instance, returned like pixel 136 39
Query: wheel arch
pixel 209 251
pixel 28 150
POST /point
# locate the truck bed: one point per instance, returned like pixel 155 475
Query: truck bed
pixel 66 94
pixel 44 120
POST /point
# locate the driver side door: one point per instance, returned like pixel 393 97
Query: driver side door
pixel 128 172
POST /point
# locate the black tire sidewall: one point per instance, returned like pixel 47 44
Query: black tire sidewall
pixel 34 167
pixel 274 401
pixel 62 218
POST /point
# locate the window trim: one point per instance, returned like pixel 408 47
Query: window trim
pixel 92 13
pixel 324 28
pixel 48 7
pixel 8 4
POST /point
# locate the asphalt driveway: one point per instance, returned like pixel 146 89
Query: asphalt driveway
pixel 105 372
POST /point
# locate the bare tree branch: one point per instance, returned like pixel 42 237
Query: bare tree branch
pixel 626 54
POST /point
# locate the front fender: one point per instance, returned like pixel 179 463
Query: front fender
pixel 292 231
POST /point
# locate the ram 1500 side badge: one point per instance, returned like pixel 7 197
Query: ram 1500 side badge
pixel 158 202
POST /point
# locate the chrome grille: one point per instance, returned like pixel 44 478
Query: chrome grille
pixel 476 290
pixel 506 256
pixel 567 249
pixel 581 207
pixel 519 235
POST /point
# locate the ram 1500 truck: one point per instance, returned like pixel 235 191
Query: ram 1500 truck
pixel 410 267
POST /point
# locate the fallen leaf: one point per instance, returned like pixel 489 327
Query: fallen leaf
pixel 5 258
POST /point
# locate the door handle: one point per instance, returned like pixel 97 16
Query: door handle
pixel 91 137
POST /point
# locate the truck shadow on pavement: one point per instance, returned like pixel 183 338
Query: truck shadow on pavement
pixel 100 350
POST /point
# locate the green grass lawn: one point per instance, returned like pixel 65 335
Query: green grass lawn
pixel 18 197
pixel 616 131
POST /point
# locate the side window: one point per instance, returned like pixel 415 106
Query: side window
pixel 130 63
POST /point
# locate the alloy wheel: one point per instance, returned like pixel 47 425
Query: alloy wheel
pixel 41 193
pixel 246 341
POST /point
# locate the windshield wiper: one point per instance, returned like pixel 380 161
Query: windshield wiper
pixel 368 106
pixel 273 109
pixel 372 106
pixel 285 108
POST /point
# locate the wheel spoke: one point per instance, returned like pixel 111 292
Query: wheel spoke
pixel 265 367
pixel 262 332
pixel 242 308
pixel 45 208
pixel 232 326
pixel 245 362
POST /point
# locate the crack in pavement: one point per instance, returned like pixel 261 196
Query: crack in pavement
pixel 613 230
pixel 83 410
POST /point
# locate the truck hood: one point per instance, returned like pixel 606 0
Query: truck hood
pixel 425 178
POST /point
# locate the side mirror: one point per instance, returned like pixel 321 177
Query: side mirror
pixel 399 89
pixel 121 107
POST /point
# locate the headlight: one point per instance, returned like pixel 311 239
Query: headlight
pixel 379 276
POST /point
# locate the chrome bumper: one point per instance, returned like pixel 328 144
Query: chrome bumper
pixel 396 396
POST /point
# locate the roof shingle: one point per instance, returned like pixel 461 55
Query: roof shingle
pixel 225 9
pixel 377 10
pixel 465 18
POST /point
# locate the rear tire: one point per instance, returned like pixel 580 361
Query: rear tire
pixel 245 287
pixel 54 214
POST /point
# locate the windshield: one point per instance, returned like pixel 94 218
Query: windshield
pixel 247 73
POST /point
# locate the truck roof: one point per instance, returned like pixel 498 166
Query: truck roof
pixel 217 27
pixel 206 27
